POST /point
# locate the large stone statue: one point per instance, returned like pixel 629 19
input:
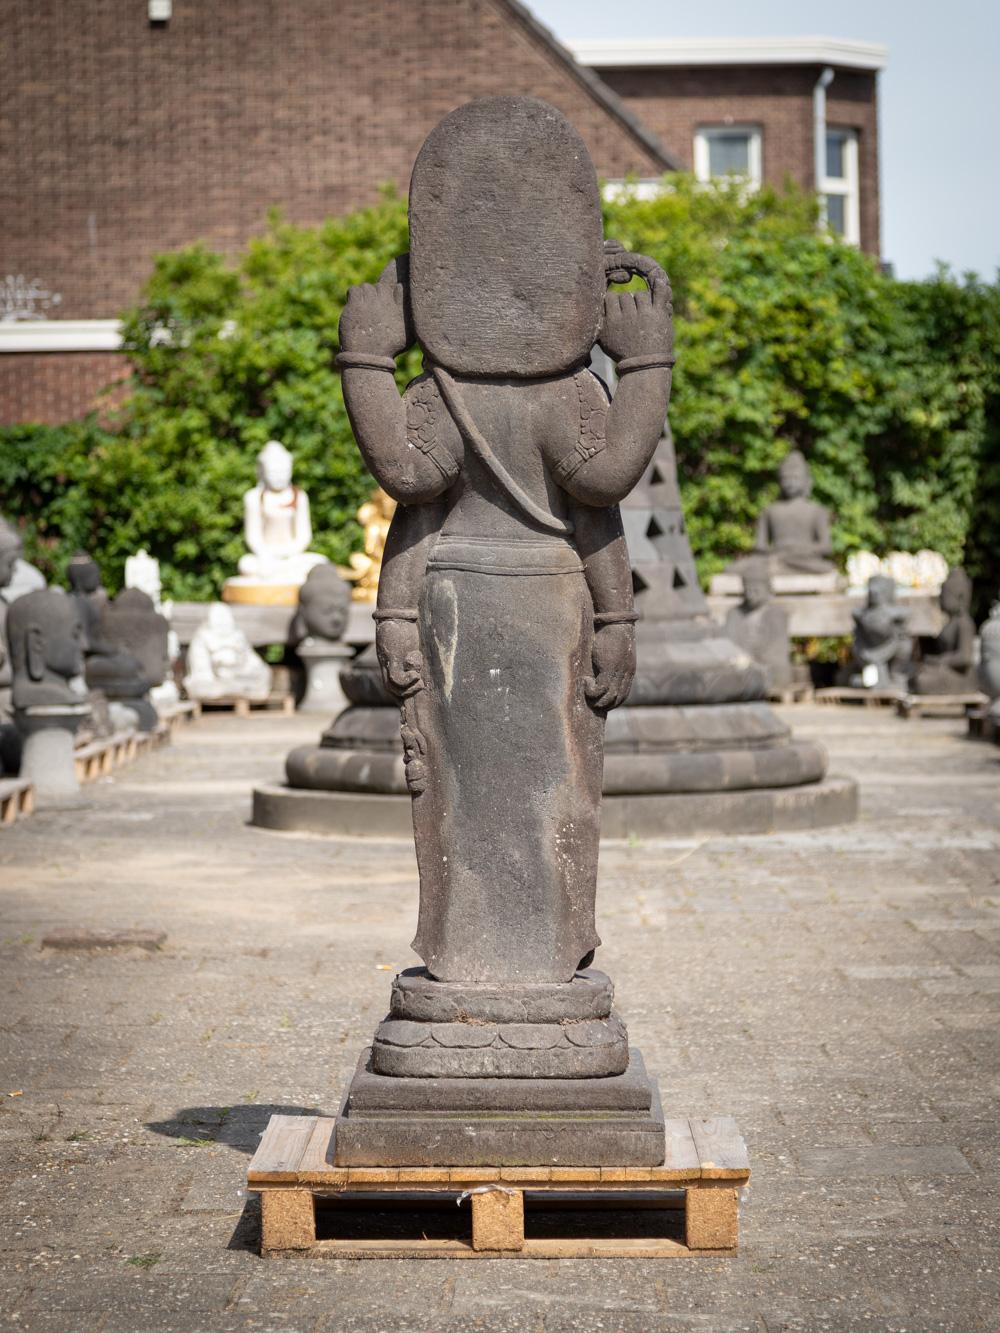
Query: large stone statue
pixel 989 660
pixel 132 624
pixel 505 631
pixel 882 647
pixel 946 661
pixel 45 634
pixel 760 626
pixel 142 571
pixel 221 665
pixel 316 633
pixel 278 529
pixel 109 668
pixel 793 535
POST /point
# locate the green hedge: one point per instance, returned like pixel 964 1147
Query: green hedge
pixel 785 338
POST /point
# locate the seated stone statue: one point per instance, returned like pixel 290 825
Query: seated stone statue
pixel 276 523
pixel 793 535
pixel 882 647
pixel 109 668
pixel 221 663
pixel 945 665
pixel 760 627
pixel 794 532
pixel 132 624
pixel 45 635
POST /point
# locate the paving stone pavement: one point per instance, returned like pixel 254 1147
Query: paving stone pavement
pixel 835 991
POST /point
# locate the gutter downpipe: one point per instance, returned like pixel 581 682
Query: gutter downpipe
pixel 819 137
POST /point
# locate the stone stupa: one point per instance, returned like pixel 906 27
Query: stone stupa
pixel 696 748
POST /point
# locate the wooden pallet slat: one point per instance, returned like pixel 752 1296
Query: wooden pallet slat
pixel 721 1151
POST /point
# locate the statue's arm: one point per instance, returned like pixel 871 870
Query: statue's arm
pixel 960 655
pixel 253 529
pixel 600 542
pixel 303 525
pixel 637 334
pixel 762 541
pixel 821 531
pixel 412 533
pixel 374 329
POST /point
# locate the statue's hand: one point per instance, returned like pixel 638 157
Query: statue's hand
pixel 638 323
pixel 397 643
pixel 613 657
pixel 376 317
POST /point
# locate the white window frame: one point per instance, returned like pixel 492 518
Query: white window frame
pixel 847 186
pixel 703 136
pixel 643 187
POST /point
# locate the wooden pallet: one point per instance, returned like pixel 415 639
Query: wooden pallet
pixel 183 713
pixel 850 694
pixel 17 799
pixel 981 726
pixel 689 1205
pixel 99 758
pixel 940 705
pixel 791 694
pixel 284 702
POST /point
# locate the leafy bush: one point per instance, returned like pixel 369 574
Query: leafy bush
pixel 785 338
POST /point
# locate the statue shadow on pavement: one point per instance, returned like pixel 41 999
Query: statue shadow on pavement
pixel 239 1127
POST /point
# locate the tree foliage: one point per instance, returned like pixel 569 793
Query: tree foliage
pixel 785 338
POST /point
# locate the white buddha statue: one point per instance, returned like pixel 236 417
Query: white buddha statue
pixel 276 523
pixel 222 664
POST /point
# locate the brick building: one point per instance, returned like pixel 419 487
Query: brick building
pixel 768 108
pixel 136 126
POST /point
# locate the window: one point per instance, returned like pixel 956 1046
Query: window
pixel 728 150
pixel 839 187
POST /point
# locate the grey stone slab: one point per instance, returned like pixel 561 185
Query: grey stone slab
pixel 925 1160
pixel 514 1138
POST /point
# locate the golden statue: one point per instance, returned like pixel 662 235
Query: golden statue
pixel 375 515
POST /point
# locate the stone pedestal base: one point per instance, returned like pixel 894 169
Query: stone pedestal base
pixel 614 1121
pixel 247 591
pixel 323 660
pixel 363 814
pixel 47 760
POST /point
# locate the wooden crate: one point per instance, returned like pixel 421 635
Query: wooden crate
pixel 17 799
pixel 940 705
pixel 689 1205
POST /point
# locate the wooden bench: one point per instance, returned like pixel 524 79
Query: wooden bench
pixel 17 799
pixel 689 1205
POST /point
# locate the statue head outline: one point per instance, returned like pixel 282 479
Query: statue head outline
pixel 757 591
pixel 10 551
pixel 324 602
pixel 881 590
pixel 794 476
pixel 83 574
pixel 45 635
pixel 956 592
pixel 274 467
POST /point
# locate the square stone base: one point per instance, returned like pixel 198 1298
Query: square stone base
pixel 613 1121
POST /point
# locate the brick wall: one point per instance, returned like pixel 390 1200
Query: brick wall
pixel 53 387
pixel 121 140
pixel 673 102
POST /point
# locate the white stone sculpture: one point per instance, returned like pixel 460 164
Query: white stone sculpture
pixel 221 662
pixel 277 524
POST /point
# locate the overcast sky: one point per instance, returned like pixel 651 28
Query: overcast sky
pixel 939 102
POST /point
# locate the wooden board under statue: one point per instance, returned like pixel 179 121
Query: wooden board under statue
pixel 537 274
